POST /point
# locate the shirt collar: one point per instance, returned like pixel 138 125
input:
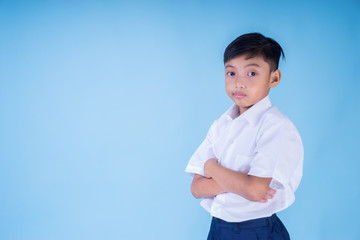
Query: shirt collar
pixel 253 114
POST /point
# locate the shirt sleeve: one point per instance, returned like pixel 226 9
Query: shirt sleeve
pixel 279 154
pixel 202 154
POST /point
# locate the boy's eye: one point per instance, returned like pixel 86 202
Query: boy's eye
pixel 230 74
pixel 251 74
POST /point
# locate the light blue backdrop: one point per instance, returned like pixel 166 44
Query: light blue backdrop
pixel 102 104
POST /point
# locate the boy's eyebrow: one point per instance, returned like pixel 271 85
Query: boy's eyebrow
pixel 253 65
pixel 248 65
pixel 228 65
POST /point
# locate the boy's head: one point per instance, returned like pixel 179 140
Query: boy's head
pixel 251 69
pixel 254 45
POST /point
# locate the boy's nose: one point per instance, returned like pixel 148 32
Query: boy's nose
pixel 240 82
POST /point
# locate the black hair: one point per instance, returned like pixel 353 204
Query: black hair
pixel 255 44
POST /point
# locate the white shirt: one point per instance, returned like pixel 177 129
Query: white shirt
pixel 262 141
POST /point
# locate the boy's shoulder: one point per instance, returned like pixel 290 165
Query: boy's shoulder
pixel 275 114
pixel 274 117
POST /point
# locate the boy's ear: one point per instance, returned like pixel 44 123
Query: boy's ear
pixel 275 78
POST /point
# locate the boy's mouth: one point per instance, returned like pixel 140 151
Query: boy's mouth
pixel 238 95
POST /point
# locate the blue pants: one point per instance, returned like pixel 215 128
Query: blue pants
pixel 257 229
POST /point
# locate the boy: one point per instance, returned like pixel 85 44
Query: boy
pixel 250 164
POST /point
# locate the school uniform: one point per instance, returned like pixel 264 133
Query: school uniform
pixel 262 141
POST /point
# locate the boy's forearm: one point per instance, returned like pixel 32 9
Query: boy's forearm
pixel 250 187
pixel 203 187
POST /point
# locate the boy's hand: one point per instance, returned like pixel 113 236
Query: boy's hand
pixel 269 195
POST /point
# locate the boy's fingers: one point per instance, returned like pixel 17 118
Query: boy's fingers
pixel 267 196
pixel 271 191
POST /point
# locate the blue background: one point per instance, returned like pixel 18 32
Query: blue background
pixel 102 103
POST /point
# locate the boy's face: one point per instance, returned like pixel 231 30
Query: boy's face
pixel 247 81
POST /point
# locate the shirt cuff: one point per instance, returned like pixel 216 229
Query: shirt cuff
pixel 260 172
pixel 191 170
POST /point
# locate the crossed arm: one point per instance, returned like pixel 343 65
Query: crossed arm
pixel 220 179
